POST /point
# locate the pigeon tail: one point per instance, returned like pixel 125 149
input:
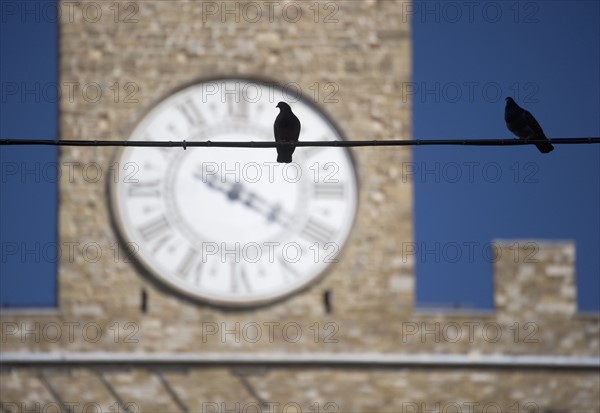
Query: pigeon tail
pixel 544 147
pixel 284 155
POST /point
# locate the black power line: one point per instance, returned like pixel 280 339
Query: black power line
pixel 252 144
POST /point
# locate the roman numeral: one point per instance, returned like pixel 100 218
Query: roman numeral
pixel 186 268
pixel 288 268
pixel 317 231
pixel 186 263
pixel 191 112
pixel 144 189
pixel 239 279
pixel 154 228
pixel 328 190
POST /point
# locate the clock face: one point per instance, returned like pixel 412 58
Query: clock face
pixel 231 225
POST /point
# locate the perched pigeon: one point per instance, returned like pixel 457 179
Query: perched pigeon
pixel 286 129
pixel 523 124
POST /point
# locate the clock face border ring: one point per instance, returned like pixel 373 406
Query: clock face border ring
pixel 152 274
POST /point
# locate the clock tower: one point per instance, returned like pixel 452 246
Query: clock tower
pixel 215 279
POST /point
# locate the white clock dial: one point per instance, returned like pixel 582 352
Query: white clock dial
pixel 231 225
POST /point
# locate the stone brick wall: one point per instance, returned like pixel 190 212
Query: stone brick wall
pixel 546 282
pixel 306 390
pixel 367 53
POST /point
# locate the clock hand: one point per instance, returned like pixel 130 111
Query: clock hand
pixel 233 191
pixel 272 212
pixel 236 192
pixel 277 214
pixel 211 181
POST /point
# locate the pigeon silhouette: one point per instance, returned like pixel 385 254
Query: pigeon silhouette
pixel 286 129
pixel 524 126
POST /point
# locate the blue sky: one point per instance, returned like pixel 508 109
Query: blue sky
pixel 467 56
pixel 546 55
pixel 28 203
